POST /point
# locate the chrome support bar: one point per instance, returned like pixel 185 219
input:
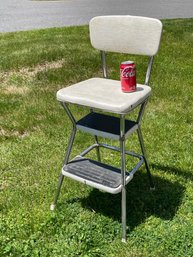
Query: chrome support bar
pixel 69 149
pixel 138 165
pixel 104 64
pixel 141 112
pixel 88 149
pixel 71 117
pixel 149 68
pixel 97 149
pixel 71 140
pixel 114 148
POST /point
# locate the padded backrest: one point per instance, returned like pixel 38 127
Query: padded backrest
pixel 126 34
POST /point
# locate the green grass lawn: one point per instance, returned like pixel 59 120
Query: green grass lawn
pixel 34 134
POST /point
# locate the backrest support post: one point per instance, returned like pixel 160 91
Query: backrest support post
pixel 149 68
pixel 104 64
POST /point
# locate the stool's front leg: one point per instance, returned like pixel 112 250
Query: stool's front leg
pixel 68 151
pixel 60 181
pixel 123 171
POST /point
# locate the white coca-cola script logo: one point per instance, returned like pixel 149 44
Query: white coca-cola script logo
pixel 128 72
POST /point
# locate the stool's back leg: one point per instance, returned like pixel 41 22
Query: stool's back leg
pixel 152 186
pixel 97 149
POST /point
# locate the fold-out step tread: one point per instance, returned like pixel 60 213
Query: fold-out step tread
pixel 95 174
pixel 104 125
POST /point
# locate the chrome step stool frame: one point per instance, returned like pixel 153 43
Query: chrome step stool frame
pixel 124 128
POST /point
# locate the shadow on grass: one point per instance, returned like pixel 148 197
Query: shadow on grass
pixel 141 202
pixel 182 173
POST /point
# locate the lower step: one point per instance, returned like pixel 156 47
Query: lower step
pixel 95 174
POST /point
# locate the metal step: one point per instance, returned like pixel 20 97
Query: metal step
pixel 105 125
pixel 95 174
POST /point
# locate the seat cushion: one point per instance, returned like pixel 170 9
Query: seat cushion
pixel 103 94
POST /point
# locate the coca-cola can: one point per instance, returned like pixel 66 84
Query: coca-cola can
pixel 128 76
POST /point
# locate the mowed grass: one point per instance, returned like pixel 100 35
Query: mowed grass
pixel 34 135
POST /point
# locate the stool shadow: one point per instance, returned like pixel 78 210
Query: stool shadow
pixel 182 173
pixel 141 202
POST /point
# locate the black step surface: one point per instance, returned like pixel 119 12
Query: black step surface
pixel 108 125
pixel 94 171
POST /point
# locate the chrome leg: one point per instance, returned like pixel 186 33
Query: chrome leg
pixel 61 178
pixel 71 117
pixel 97 149
pixel 60 181
pixel 152 186
pixel 68 151
pixel 123 171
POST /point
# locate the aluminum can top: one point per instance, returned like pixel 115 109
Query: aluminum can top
pixel 128 62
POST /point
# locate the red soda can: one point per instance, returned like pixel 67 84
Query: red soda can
pixel 128 76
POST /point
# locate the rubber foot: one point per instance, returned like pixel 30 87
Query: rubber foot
pixel 123 240
pixel 52 207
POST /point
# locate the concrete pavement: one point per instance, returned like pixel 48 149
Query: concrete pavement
pixel 18 15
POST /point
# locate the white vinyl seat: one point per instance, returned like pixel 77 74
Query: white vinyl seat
pixel 104 94
pixel 103 98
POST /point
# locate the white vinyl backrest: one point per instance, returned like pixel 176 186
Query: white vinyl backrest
pixel 126 34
